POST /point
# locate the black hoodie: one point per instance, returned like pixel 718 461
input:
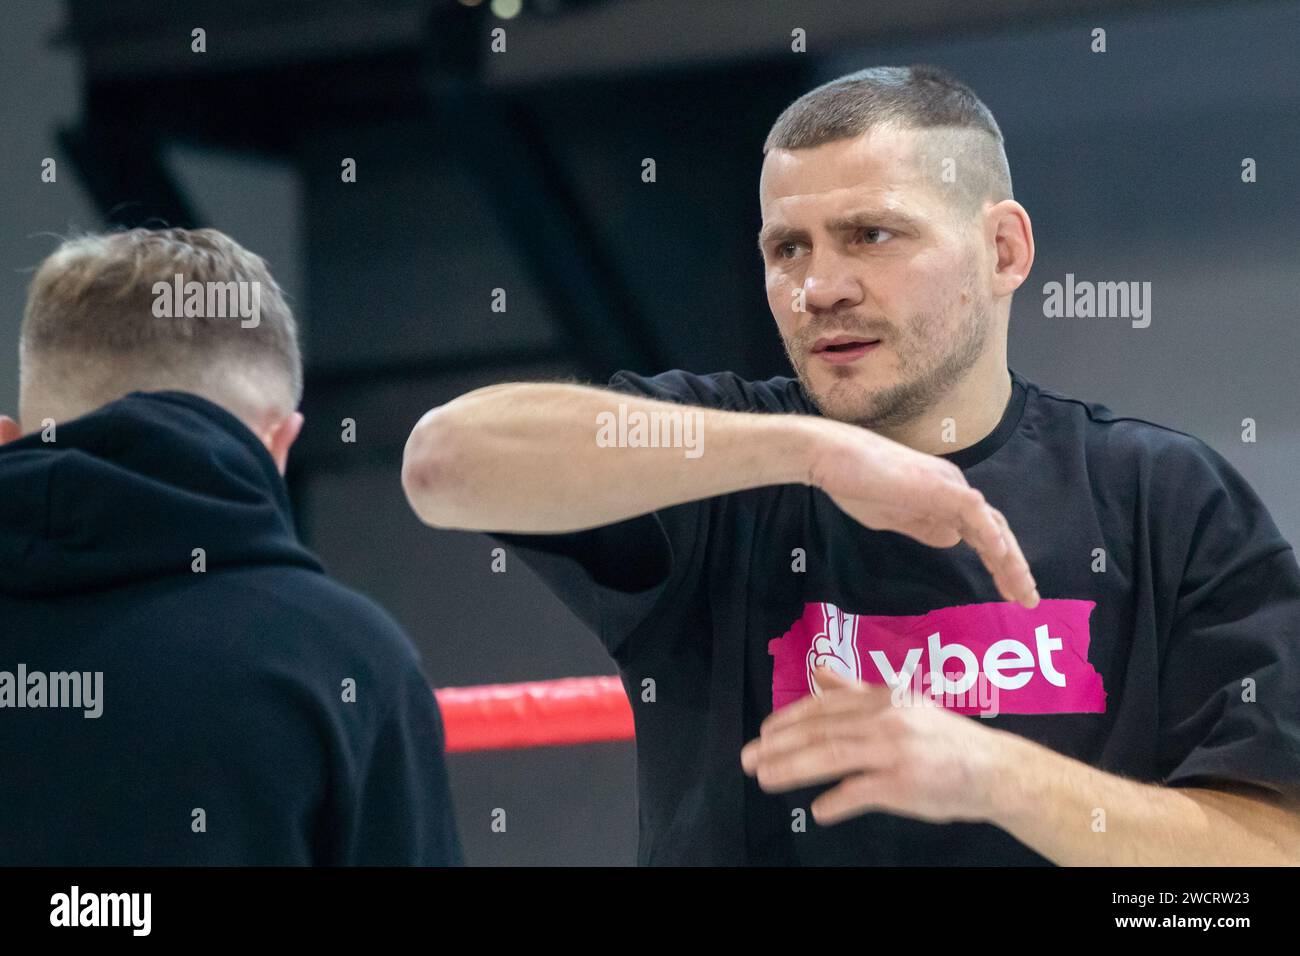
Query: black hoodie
pixel 161 704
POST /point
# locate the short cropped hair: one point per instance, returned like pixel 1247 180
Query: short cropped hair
pixel 905 97
pixel 93 320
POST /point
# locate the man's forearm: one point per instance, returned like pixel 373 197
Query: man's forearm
pixel 1077 815
pixel 538 457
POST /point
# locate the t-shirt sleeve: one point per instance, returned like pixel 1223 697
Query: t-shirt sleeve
pixel 1230 676
pixel 616 577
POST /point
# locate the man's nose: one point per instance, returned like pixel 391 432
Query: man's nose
pixel 831 282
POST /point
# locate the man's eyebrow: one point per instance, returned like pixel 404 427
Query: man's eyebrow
pixel 874 217
pixel 772 233
pixel 859 219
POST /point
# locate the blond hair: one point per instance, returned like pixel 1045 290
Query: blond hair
pixel 91 331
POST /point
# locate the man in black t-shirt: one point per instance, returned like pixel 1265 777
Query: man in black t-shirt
pixel 834 647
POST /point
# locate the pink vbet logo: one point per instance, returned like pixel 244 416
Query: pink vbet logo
pixel 975 658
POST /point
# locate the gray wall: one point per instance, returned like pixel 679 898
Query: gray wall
pixel 39 91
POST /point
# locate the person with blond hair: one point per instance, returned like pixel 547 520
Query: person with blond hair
pixel 180 682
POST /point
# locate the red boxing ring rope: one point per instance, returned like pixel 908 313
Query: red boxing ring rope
pixel 574 710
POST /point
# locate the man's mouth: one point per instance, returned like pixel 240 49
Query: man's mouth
pixel 842 349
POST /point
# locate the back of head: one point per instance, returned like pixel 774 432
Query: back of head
pixel 153 310
pixel 956 123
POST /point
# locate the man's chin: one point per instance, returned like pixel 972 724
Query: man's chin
pixel 846 400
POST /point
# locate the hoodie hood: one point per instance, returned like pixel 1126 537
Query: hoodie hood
pixel 127 493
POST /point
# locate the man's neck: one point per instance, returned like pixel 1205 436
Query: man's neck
pixel 966 414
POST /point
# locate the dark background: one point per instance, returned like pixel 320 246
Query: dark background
pixel 522 171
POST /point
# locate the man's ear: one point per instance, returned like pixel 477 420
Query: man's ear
pixel 9 430
pixel 281 438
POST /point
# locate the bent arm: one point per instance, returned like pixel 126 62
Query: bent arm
pixel 538 459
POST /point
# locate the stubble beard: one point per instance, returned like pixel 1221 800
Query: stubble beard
pixel 921 383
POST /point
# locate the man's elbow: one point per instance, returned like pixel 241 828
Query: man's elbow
pixel 432 475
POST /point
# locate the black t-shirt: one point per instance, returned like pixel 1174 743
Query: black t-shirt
pixel 1166 648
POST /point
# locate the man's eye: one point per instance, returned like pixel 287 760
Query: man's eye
pixel 874 235
pixel 787 250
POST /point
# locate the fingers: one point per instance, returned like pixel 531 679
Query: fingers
pixel 839 695
pixel 820 755
pixel 933 495
pixel 819 740
pixel 930 501
pixel 1015 579
pixel 974 518
pixel 985 529
pixel 930 532
pixel 9 429
pixel 856 795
